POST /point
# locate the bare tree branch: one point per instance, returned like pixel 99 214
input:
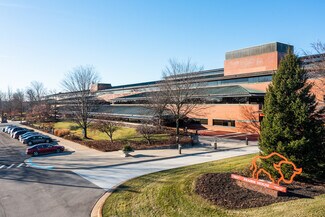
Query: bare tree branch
pixel 180 89
pixel 78 83
pixel 108 127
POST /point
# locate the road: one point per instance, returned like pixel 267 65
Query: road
pixel 34 192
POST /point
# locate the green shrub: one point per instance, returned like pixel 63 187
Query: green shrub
pixel 127 148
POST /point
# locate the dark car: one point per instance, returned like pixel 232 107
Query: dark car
pixel 15 128
pixel 19 132
pixel 27 134
pixel 36 139
pixel 44 148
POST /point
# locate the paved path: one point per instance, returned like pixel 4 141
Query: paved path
pixel 110 176
pixel 88 159
pixel 108 169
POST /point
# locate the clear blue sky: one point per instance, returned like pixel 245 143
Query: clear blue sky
pixel 131 41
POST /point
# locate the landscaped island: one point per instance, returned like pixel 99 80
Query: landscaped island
pixel 174 193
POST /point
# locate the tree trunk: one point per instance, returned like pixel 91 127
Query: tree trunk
pixel 177 126
pixel 159 123
pixel 84 132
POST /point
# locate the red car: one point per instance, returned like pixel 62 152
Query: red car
pixel 44 148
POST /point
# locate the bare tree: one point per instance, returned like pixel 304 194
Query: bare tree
pixel 35 93
pixel 180 89
pixel 52 102
pixel 18 102
pixel 2 101
pixel 108 127
pixel 9 101
pixel 78 82
pixel 147 131
pixel 252 123
pixel 314 63
pixel 157 102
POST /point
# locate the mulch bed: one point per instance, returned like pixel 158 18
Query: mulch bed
pixel 221 190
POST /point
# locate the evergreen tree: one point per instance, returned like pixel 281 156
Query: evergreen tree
pixel 292 126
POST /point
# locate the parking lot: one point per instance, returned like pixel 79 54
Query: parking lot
pixel 27 191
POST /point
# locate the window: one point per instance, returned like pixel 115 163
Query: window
pixel 262 78
pixel 226 123
pixel 200 120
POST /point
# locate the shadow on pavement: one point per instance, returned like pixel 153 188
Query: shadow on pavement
pixel 58 178
pixel 54 154
pixel 142 155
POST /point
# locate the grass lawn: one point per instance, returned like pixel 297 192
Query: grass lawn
pixel 121 134
pixel 171 193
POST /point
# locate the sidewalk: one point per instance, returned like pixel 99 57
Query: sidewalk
pixel 86 158
pixel 110 176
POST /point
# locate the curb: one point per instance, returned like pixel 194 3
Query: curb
pixel 97 210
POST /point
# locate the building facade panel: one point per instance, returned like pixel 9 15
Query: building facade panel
pixel 256 63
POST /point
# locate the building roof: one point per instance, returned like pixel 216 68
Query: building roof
pixel 260 49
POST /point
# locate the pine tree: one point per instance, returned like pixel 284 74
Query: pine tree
pixel 292 126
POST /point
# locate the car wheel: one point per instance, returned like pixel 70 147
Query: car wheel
pixel 30 143
pixel 47 141
pixel 35 153
pixel 58 150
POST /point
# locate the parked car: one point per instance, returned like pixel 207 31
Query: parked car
pixel 25 135
pixel 44 148
pixel 8 128
pixel 15 130
pixel 20 132
pixel 36 139
pixel 5 128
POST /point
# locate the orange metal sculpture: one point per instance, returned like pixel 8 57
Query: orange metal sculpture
pixel 257 171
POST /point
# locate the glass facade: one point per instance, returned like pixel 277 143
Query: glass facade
pixel 200 121
pixel 258 79
pixel 225 123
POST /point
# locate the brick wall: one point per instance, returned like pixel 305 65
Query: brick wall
pixel 256 63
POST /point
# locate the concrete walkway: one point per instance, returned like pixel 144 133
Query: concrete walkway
pixel 86 158
pixel 109 176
